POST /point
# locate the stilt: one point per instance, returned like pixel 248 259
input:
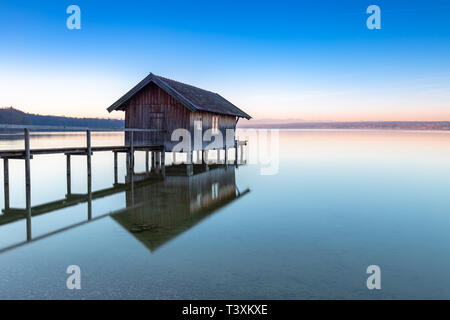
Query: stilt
pixel 132 151
pixel 146 161
pixel 235 153
pixel 69 184
pixel 242 153
pixel 205 159
pixel 89 155
pixel 153 168
pixel 226 155
pixel 28 182
pixel 163 163
pixel 189 164
pixel 158 160
pixel 6 182
pixel 116 179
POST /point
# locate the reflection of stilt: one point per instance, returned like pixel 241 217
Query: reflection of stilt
pixel 89 203
pixel 132 189
pixel 6 182
pixel 69 184
pixel 27 182
pixel 116 179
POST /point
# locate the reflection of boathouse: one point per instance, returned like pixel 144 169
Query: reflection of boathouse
pixel 159 212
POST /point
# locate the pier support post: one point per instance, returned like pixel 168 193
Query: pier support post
pixel 163 163
pixel 146 161
pixel 28 182
pixel 89 172
pixel 69 185
pixel 153 161
pixel 189 163
pixel 158 160
pixel 132 151
pixel 242 153
pixel 205 159
pixel 89 156
pixel 116 179
pixel 235 153
pixel 226 155
pixel 6 181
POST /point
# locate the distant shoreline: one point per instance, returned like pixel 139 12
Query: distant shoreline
pixel 361 125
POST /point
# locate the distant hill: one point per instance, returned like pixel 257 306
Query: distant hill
pixel 15 116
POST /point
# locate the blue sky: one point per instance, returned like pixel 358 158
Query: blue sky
pixel 311 60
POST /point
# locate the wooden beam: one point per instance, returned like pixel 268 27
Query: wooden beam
pixel 116 179
pixel 69 184
pixel 6 181
pixel 89 160
pixel 27 182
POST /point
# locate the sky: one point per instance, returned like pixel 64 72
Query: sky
pixel 283 60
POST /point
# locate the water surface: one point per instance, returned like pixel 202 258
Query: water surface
pixel 341 201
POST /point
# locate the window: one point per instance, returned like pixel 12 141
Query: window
pixel 215 124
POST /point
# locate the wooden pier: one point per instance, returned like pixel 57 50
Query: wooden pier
pixel 157 153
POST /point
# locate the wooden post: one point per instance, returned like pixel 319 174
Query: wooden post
pixel 69 185
pixel 163 163
pixel 154 161
pixel 146 161
pixel 242 153
pixel 189 164
pixel 226 155
pixel 89 162
pixel 6 181
pixel 132 151
pixel 28 182
pixel 236 152
pixel 158 160
pixel 205 159
pixel 116 179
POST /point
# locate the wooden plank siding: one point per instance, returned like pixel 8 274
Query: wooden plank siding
pixel 153 108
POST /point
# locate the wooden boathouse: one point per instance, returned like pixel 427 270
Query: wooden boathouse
pixel 164 105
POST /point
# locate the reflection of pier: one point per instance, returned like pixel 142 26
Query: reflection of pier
pixel 159 212
pixel 160 189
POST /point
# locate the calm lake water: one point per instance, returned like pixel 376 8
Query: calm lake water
pixel 341 201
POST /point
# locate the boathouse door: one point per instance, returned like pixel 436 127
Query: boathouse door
pixel 157 121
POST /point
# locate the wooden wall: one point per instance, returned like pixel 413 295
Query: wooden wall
pixel 153 108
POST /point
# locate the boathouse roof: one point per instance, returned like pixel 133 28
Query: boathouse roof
pixel 195 99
